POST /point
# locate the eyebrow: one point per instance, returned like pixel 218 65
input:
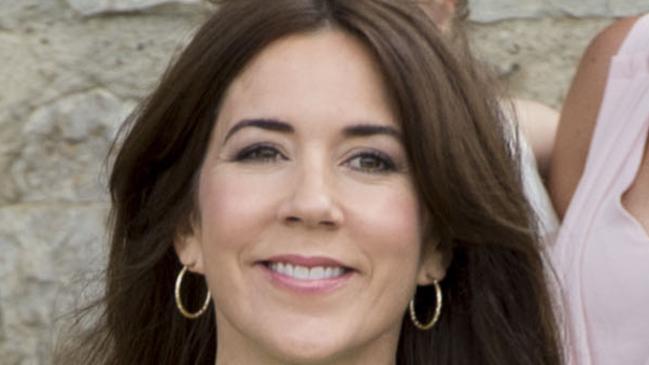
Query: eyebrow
pixel 358 130
pixel 367 130
pixel 267 124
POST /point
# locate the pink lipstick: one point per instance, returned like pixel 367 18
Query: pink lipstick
pixel 306 274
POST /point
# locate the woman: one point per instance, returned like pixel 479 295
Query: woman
pixel 339 183
pixel 600 186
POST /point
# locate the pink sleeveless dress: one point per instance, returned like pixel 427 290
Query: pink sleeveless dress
pixel 602 252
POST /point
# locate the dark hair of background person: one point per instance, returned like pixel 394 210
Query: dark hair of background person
pixel 497 308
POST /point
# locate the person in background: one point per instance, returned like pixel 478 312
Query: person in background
pixel 537 121
pixel 599 183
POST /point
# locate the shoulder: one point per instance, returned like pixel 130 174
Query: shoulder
pixel 580 111
pixel 607 43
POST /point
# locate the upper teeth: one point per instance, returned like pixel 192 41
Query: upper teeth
pixel 306 273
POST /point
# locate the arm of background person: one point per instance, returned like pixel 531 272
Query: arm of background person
pixel 579 114
pixel 538 122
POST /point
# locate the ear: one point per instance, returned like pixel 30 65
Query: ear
pixel 433 264
pixel 190 251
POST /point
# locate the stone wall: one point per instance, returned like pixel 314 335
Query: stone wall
pixel 71 70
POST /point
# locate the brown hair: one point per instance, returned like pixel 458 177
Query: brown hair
pixel 497 309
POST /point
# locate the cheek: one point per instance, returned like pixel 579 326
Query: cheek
pixel 390 217
pixel 231 208
pixel 388 232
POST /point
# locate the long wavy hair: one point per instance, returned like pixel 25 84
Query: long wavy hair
pixel 465 165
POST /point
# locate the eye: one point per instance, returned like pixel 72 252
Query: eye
pixel 259 153
pixel 372 162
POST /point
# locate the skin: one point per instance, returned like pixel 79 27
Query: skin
pixel 538 122
pixel 441 11
pixel 577 124
pixel 316 190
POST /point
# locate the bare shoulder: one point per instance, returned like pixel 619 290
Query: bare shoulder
pixel 580 111
pixel 608 41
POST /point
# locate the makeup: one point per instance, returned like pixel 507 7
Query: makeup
pixel 306 274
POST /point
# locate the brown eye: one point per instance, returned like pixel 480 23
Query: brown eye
pixel 371 162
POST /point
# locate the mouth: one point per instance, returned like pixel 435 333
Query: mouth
pixel 306 274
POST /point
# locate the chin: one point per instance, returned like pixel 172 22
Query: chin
pixel 322 349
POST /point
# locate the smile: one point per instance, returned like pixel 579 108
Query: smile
pixel 304 273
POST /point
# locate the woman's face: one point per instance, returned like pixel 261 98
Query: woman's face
pixel 310 231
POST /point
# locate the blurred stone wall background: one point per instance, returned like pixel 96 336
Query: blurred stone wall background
pixel 71 70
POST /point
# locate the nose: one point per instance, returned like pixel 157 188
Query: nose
pixel 311 201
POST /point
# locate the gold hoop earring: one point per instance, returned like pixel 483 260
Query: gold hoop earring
pixel 438 310
pixel 179 303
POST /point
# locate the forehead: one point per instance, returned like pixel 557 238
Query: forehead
pixel 323 76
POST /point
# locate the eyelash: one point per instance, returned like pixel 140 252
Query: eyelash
pixel 386 163
pixel 248 154
pixel 251 153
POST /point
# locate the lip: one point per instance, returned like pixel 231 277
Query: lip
pixel 291 284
